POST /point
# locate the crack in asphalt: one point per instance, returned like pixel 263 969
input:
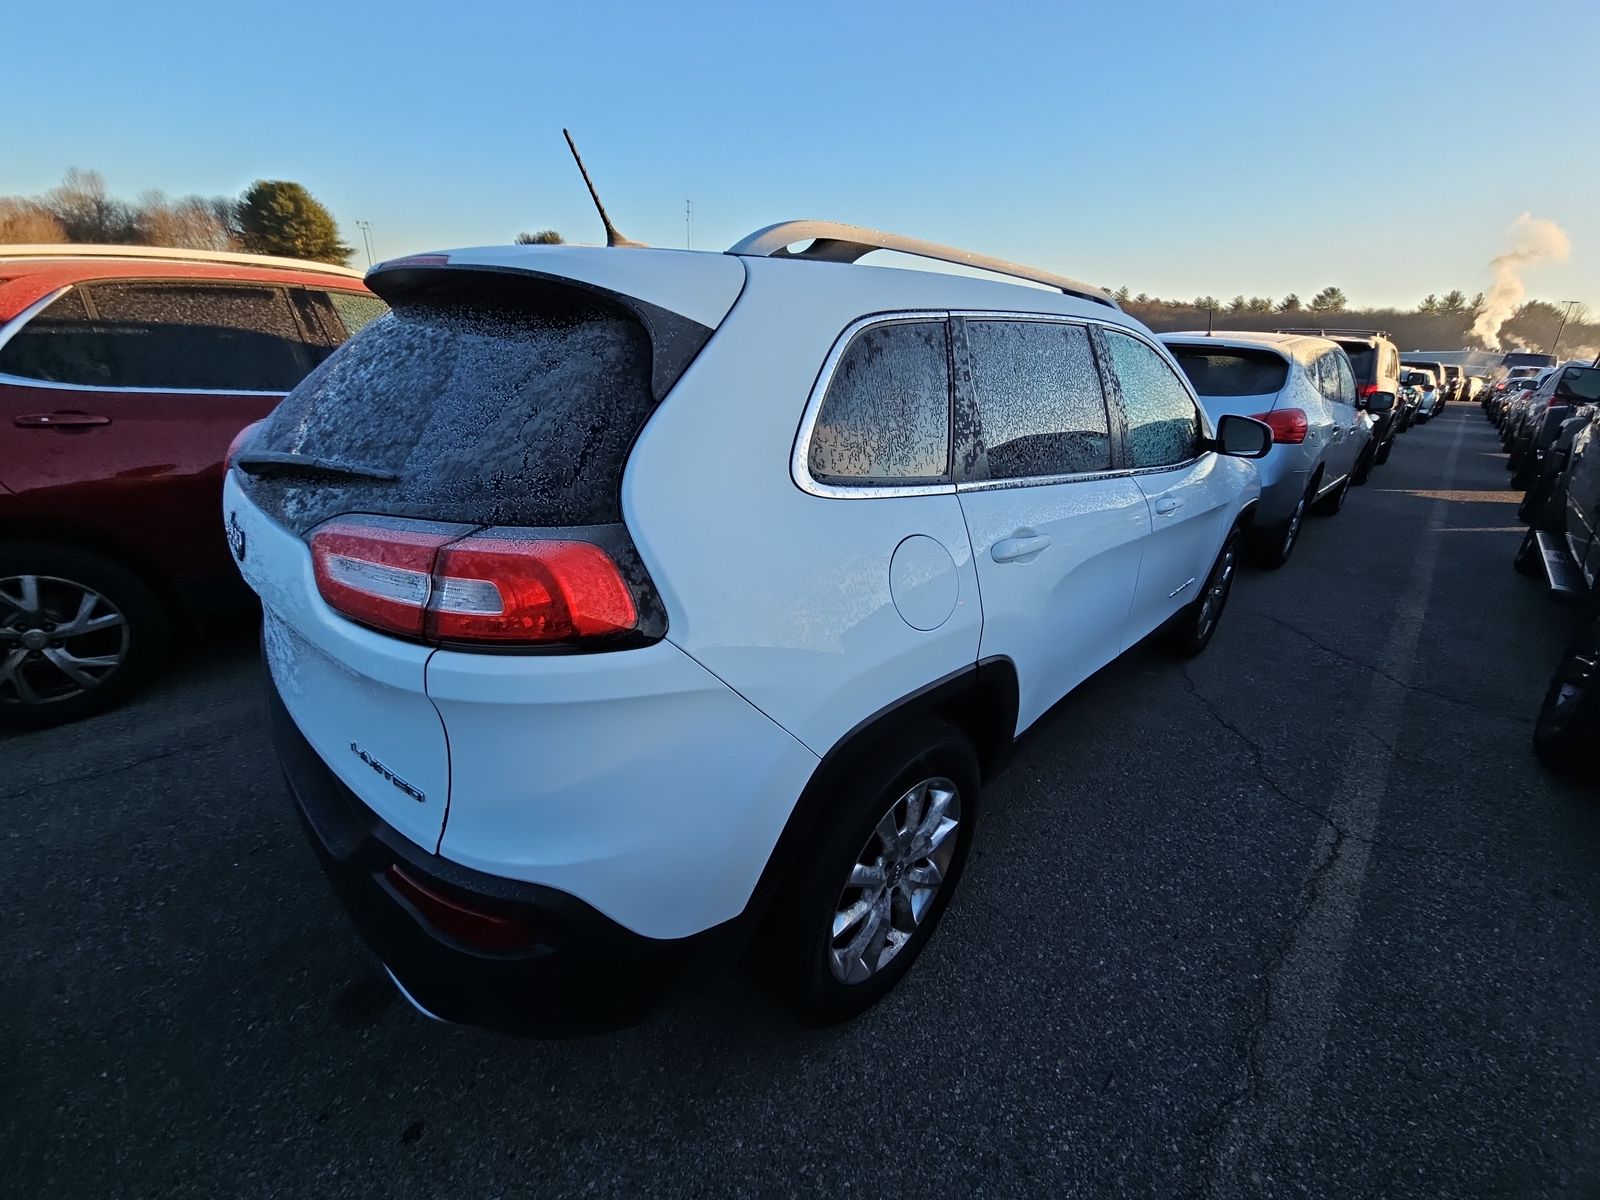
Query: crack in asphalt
pixel 1335 652
pixel 70 780
pixel 1258 755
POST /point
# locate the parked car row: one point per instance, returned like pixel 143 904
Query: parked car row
pixel 1551 430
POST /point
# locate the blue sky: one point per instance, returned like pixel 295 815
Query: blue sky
pixel 1177 148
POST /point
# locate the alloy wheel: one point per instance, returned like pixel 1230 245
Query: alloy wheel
pixel 894 880
pixel 58 639
pixel 1217 588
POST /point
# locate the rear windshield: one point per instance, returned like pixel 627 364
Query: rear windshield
pixel 490 399
pixel 1232 371
pixel 1363 358
pixel 1521 359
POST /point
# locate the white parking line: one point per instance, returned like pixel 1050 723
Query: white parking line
pixel 1287 1051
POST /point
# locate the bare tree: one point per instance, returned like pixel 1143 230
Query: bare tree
pixel 86 211
pixel 545 237
pixel 193 223
pixel 23 221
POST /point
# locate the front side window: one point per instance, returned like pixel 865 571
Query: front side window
pixel 59 345
pixel 1039 398
pixel 213 336
pixel 1163 423
pixel 886 416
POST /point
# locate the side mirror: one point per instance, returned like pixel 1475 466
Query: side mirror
pixel 1379 402
pixel 1243 437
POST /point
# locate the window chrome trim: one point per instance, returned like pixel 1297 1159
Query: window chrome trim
pixel 800 456
pixel 24 381
pixel 14 326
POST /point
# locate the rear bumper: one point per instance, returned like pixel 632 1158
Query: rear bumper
pixel 578 971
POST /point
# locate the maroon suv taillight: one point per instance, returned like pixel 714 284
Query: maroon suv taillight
pixel 446 583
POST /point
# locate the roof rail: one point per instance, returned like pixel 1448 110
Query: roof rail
pixel 1325 332
pixel 834 242
pixel 82 250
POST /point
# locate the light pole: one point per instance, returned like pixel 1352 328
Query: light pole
pixel 366 238
pixel 1572 307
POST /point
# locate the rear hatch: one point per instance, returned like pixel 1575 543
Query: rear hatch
pixel 451 477
pixel 1232 380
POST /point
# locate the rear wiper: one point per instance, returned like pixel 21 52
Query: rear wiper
pixel 283 462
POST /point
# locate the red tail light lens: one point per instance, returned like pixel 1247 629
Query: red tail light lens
pixel 239 439
pixel 1287 425
pixel 444 583
pixel 1367 390
pixel 507 589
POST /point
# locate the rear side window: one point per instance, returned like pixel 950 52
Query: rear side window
pixel 357 310
pixel 489 398
pixel 59 345
pixel 1163 423
pixel 886 415
pixel 1039 398
pixel 1233 372
pixel 214 336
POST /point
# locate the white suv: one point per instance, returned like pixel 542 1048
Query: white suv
pixel 619 599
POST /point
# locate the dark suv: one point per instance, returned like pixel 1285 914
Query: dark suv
pixel 124 374
pixel 1376 362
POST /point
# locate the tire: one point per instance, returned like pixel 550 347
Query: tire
pixel 1330 504
pixel 126 636
pixel 1271 545
pixel 1364 464
pixel 1526 474
pixel 1383 453
pixel 811 964
pixel 1528 561
pixel 1567 729
pixel 1192 629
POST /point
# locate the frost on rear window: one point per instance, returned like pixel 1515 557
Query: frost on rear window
pixel 886 416
pixel 501 415
pixel 1039 398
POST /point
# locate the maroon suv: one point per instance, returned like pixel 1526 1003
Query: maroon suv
pixel 125 372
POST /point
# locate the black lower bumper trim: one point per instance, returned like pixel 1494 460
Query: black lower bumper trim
pixel 580 972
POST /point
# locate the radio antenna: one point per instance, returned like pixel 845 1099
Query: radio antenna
pixel 613 238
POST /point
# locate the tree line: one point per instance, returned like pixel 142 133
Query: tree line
pixel 271 216
pixel 1329 300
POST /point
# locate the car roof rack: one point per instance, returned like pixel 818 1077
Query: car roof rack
pixel 838 243
pixel 1327 331
pixel 82 250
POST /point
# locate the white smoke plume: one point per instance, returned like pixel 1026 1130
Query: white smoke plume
pixel 1533 240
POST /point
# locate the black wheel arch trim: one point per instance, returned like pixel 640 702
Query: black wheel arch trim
pixel 980 699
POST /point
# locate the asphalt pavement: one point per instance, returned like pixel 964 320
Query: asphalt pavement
pixel 1301 917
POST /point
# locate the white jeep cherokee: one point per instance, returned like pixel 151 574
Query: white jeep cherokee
pixel 619 599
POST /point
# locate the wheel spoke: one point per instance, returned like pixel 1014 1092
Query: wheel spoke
pixel 11 672
pixel 77 669
pixel 850 917
pixel 867 875
pixel 25 597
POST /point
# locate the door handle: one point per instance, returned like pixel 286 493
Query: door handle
pixel 1168 505
pixel 60 420
pixel 1021 546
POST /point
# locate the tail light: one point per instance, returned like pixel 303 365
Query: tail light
pixel 485 930
pixel 239 439
pixel 1367 390
pixel 1287 425
pixel 451 584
